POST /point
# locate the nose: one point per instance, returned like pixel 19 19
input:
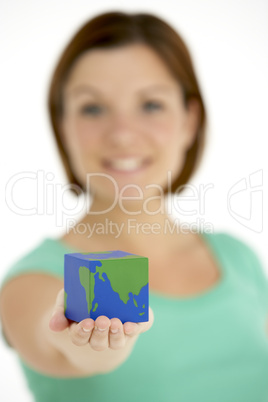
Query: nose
pixel 121 131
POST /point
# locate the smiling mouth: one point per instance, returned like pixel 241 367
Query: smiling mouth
pixel 127 165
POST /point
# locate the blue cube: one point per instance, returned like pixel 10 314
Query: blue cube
pixel 110 283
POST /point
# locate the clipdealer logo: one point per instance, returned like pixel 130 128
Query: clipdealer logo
pixel 49 198
pixel 133 226
pixel 244 201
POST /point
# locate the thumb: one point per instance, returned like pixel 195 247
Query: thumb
pixel 58 322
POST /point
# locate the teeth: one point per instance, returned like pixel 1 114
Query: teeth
pixel 126 164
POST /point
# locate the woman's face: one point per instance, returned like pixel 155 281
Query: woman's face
pixel 124 118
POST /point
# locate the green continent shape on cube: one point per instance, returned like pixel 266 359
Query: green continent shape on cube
pixel 87 280
pixel 125 276
pixel 65 300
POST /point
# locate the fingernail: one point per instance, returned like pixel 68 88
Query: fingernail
pixel 100 329
pixel 114 331
pixel 86 329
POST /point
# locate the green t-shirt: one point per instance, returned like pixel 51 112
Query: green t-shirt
pixel 212 347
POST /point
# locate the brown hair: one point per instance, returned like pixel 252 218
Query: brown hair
pixel 113 29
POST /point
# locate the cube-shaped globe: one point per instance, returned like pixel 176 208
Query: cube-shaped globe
pixel 110 283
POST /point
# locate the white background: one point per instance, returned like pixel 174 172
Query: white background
pixel 228 40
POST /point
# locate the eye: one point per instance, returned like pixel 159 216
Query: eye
pixel 91 110
pixel 151 106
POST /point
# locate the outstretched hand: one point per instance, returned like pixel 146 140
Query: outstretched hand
pixel 101 334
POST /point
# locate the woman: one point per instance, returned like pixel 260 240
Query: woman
pixel 129 120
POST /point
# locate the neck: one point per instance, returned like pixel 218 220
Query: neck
pixel 133 226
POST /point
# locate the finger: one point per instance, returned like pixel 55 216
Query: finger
pixel 80 333
pixel 99 339
pixel 116 334
pixel 131 328
pixel 58 321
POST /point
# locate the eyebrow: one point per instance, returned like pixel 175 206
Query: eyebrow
pixel 95 91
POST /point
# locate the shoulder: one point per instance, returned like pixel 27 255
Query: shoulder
pixel 240 255
pixel 46 257
pixel 236 247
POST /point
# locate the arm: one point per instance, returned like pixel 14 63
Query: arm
pixel 54 345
